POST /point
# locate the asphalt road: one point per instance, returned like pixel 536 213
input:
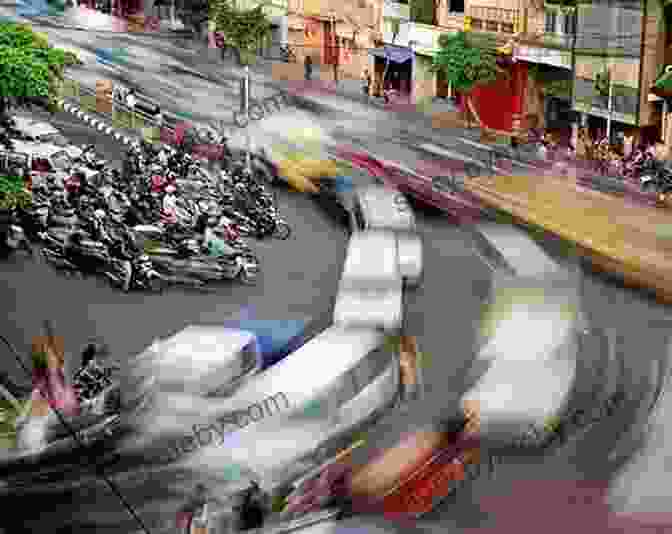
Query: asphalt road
pixel 300 277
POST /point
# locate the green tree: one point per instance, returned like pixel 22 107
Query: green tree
pixel 31 71
pixel 243 30
pixel 467 60
pixel 422 11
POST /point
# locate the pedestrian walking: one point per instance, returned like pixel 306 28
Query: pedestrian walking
pixel 366 83
pixel 308 65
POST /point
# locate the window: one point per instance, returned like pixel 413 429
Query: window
pixel 41 165
pixel 456 6
pixel 551 19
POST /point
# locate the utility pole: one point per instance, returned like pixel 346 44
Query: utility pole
pixel 248 158
pixel 335 47
pixel 610 106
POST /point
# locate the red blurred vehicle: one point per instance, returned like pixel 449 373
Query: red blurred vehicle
pixel 442 192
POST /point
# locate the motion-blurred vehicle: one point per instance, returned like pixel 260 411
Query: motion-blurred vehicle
pixel 441 192
pixel 354 380
pixel 335 196
pixel 509 248
pixel 384 208
pixel 371 285
pixel 533 297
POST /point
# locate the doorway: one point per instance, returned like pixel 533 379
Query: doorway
pixel 442 85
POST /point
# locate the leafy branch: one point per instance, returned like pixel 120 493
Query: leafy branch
pixel 242 29
pixel 31 71
pixel 467 60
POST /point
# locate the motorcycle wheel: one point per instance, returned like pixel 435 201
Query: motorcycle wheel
pixel 248 278
pixel 282 231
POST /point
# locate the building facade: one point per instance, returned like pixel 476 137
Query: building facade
pixel 419 32
pixel 590 64
pixel 336 34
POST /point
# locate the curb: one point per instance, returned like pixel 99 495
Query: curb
pixel 94 122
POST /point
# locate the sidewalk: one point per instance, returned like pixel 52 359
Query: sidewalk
pixel 615 235
pixel 325 97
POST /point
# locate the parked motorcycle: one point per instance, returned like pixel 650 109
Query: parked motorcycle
pixel 244 267
pixel 12 236
pixel 145 276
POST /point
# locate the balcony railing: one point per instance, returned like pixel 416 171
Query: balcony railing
pixel 421 37
pixel 494 19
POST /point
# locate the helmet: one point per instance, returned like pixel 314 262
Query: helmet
pixel 171 189
pixel 100 213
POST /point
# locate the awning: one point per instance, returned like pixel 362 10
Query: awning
pixel 396 54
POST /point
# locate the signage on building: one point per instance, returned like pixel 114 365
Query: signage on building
pixel 424 38
pixel 543 56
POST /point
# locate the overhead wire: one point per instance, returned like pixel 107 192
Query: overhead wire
pixel 82 446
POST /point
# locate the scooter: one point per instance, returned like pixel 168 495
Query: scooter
pixel 236 265
pixel 12 237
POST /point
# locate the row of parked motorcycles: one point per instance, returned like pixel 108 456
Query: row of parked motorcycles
pixel 162 220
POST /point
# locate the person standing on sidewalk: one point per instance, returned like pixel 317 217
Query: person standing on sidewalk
pixel 366 84
pixel 308 65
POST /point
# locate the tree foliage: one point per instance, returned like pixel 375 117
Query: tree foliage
pixel 242 29
pixel 31 70
pixel 422 11
pixel 467 60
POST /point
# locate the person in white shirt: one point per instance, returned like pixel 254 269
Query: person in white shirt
pixel 131 100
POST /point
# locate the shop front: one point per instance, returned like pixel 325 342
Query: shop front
pixel 393 69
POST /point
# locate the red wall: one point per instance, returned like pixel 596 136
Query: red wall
pixel 496 103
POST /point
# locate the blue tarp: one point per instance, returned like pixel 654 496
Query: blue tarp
pixel 276 339
pixel 396 54
pixel 344 184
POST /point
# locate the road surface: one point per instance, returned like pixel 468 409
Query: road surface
pixel 300 277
